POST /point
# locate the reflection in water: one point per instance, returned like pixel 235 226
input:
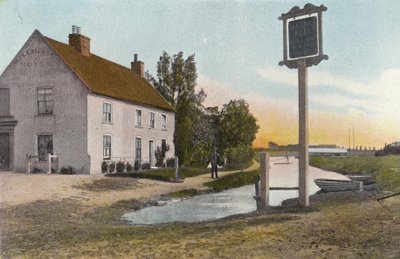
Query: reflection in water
pixel 235 201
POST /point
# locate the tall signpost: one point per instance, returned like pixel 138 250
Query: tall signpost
pixel 302 48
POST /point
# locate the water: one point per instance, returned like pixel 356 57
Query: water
pixel 230 202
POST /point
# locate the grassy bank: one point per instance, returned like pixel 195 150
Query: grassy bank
pixel 164 174
pixel 233 180
pixel 386 170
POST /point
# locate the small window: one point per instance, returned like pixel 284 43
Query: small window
pixel 45 146
pixel 152 120
pixel 106 147
pixel 138 118
pixel 45 101
pixel 107 111
pixel 163 121
pixel 138 146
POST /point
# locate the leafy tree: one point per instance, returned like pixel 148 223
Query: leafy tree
pixel 176 81
pixel 237 130
pixel 205 137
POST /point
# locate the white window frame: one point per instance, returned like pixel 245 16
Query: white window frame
pixel 138 119
pixel 152 125
pixel 105 149
pixel 47 103
pixel 107 120
pixel 164 121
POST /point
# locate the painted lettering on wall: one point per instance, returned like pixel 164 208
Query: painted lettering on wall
pixel 31 62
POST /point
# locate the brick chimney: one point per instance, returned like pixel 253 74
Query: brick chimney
pixel 79 42
pixel 137 66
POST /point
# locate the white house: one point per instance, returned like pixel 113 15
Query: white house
pixel 61 99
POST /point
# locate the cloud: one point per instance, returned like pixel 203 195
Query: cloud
pixel 376 119
pixel 319 78
pixel 379 97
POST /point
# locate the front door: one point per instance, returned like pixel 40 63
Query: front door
pixel 151 153
pixel 4 151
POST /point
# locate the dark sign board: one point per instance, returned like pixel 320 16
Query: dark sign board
pixel 303 37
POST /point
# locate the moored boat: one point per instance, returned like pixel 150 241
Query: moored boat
pixel 366 179
pixel 331 185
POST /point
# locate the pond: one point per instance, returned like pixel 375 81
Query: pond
pixel 230 202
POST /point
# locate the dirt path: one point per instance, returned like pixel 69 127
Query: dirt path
pixel 17 189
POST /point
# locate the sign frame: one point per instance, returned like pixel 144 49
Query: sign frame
pixel 309 10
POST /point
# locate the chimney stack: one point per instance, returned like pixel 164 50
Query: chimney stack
pixel 79 42
pixel 137 66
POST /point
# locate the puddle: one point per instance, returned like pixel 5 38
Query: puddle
pixel 231 202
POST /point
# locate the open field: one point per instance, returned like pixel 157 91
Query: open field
pixel 338 225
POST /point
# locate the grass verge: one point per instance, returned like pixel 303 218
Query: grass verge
pixel 103 185
pixel 233 180
pixel 164 174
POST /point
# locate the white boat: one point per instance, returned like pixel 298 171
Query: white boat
pixel 331 185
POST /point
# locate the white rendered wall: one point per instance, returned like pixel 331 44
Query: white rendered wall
pixel 123 130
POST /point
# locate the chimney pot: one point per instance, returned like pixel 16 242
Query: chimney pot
pixel 137 66
pixel 80 42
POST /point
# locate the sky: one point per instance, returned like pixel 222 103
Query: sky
pixel 237 47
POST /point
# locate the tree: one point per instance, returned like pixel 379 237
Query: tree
pixel 176 81
pixel 206 135
pixel 237 130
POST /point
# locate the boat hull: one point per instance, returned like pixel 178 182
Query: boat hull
pixel 329 185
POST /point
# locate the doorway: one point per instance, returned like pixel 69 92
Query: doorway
pixel 151 153
pixel 4 151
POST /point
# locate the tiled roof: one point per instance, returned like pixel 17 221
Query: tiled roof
pixel 107 78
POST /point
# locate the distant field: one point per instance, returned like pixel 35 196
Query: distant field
pixel 386 170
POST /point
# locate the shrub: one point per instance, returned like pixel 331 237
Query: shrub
pixel 171 162
pixel 145 166
pixel 160 154
pixel 68 170
pixel 120 167
pixel 111 167
pixel 129 167
pixel 104 167
pixel 137 165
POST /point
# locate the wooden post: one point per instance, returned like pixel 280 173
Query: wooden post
pixel 176 168
pixel 257 195
pixel 49 160
pixel 264 180
pixel 29 163
pixel 303 134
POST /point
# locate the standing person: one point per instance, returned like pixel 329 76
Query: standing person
pixel 214 163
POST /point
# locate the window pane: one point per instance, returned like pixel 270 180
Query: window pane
pixel 44 101
pixel 106 146
pixel 106 113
